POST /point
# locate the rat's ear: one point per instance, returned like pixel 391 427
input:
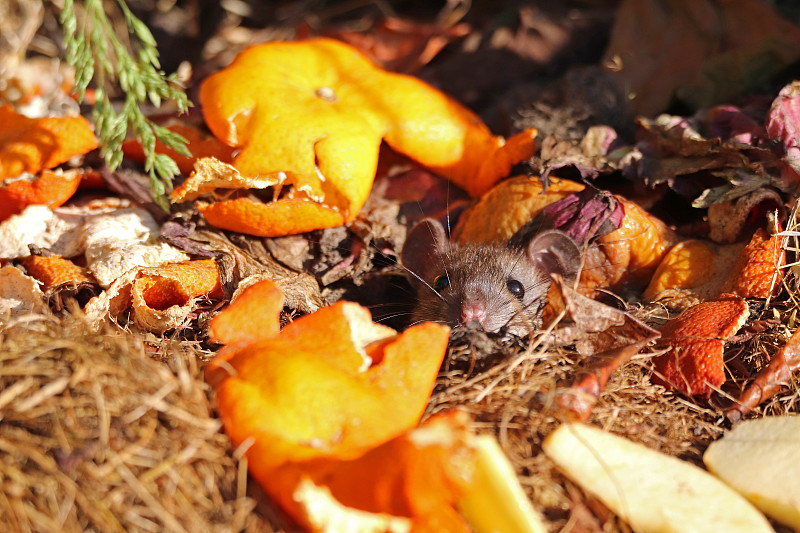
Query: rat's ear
pixel 555 252
pixel 425 242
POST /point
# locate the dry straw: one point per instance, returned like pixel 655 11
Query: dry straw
pixel 96 436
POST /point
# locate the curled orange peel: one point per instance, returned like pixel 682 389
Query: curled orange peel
pixel 410 483
pixel 177 283
pixel 327 388
pixel 50 188
pixel 311 115
pixel 323 385
pixel 34 144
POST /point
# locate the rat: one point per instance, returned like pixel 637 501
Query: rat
pixel 485 286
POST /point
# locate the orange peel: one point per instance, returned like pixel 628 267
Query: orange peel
pixel 342 411
pixel 51 188
pixel 160 298
pixel 414 479
pixel 199 144
pixel 34 144
pixel 757 272
pixel 694 365
pixel 686 265
pixel 508 206
pixel 331 386
pixel 629 255
pixel 177 283
pixel 311 115
pixel 55 271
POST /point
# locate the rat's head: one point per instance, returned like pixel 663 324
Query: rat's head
pixel 482 285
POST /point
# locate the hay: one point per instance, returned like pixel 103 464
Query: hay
pixel 96 436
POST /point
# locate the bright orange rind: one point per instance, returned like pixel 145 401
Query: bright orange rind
pixel 318 395
pixel 311 116
pixel 32 145
pixel 686 265
pixel 51 188
pixel 412 481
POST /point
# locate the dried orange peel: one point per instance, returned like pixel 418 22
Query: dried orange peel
pixel 310 116
pixel 34 144
pixel 55 271
pixel 757 272
pixel 694 365
pixel 160 298
pixel 50 188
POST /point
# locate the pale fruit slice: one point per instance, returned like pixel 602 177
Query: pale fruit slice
pixel 761 459
pixel 653 492
pixel 494 500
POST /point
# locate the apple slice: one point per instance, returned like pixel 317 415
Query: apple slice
pixel 653 492
pixel 759 458
pixel 494 500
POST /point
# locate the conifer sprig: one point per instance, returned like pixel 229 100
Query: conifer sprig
pixel 97 53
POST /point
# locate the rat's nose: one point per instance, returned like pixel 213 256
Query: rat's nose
pixel 473 314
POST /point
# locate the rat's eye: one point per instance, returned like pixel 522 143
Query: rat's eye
pixel 441 282
pixel 516 288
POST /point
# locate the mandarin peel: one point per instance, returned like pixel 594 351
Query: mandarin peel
pixel 50 188
pixel 35 144
pixel 55 271
pixel 316 112
pixel 696 338
pixel 342 412
pixel 757 272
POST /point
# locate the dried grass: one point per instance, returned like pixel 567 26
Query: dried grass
pixel 96 436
